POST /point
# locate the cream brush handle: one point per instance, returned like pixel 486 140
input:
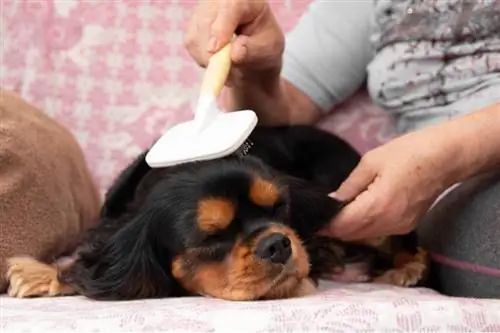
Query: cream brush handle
pixel 217 72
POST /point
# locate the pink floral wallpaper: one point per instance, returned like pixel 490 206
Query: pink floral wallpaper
pixel 117 74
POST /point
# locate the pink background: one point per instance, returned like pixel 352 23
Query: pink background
pixel 117 74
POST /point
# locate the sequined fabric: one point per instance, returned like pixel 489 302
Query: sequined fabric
pixel 435 59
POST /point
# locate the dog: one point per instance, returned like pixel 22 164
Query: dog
pixel 242 227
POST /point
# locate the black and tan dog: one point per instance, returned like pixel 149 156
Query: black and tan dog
pixel 241 227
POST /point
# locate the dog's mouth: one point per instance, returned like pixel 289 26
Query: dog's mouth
pixel 284 284
pixel 339 261
pixel 272 266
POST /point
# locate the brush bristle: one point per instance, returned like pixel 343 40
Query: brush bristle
pixel 244 149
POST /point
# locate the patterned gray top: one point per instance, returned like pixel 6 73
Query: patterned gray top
pixel 425 60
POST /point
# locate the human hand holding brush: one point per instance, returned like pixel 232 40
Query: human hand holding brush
pixel 254 80
pixel 258 46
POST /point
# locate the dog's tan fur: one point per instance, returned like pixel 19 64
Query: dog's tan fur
pixel 29 277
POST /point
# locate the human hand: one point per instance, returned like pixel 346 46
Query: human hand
pixel 394 185
pixel 259 44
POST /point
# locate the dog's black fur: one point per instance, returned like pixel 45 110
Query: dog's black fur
pixel 149 215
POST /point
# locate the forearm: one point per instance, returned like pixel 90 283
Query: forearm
pixel 473 143
pixel 276 101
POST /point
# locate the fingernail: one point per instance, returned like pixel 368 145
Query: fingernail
pixel 324 232
pixel 212 44
pixel 338 197
pixel 333 195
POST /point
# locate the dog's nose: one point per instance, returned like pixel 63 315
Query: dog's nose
pixel 275 248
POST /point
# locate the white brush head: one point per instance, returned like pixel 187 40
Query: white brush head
pixel 212 133
pixel 183 143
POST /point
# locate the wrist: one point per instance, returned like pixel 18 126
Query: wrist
pixel 470 144
pixel 451 161
pixel 262 92
pixel 275 100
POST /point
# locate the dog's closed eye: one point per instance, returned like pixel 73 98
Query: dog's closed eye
pixel 215 214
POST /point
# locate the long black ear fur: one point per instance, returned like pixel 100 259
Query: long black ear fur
pixel 122 192
pixel 129 265
pixel 312 208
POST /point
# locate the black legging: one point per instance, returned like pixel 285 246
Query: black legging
pixel 463 234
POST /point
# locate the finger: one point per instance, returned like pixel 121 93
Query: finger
pixel 353 217
pixel 199 56
pixel 235 78
pixel 260 49
pixel 196 38
pixel 385 220
pixel 239 49
pixel 371 230
pixel 377 228
pixel 357 182
pixel 229 16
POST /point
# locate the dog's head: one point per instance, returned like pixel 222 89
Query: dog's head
pixel 219 228
pixel 237 240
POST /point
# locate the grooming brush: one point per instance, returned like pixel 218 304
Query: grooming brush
pixel 212 133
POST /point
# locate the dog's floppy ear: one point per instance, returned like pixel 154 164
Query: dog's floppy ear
pixel 311 207
pixel 122 192
pixel 132 264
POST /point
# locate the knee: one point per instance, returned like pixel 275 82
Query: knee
pixel 462 235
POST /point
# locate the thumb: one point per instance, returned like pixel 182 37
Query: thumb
pixel 261 50
pixel 352 218
pixel 357 182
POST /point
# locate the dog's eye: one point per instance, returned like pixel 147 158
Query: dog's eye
pixel 215 239
pixel 222 239
pixel 215 248
pixel 213 253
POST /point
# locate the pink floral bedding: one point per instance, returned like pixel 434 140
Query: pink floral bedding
pixel 116 74
pixel 357 308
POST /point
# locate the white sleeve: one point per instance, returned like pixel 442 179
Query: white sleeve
pixel 327 53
